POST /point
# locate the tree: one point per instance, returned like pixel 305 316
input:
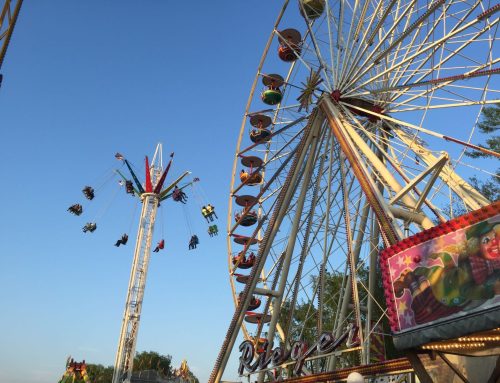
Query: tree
pixel 153 361
pixel 489 125
pixel 146 360
pixel 99 374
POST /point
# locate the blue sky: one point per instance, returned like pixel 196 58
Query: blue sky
pixel 83 80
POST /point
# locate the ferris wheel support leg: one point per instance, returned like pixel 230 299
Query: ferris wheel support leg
pixel 391 232
pixel 372 281
pixel 373 255
pixel 358 143
pixel 306 179
pixel 346 299
pixel 279 212
pixel 471 197
pixel 305 242
pixel 325 242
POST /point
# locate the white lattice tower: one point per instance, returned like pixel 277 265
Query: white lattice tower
pixel 137 284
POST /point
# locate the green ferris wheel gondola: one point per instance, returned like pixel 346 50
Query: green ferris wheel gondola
pixel 312 8
pixel 272 96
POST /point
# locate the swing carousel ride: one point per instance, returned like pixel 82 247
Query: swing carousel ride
pixel 151 193
pixel 357 142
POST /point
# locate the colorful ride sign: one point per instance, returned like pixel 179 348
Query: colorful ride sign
pixel 444 282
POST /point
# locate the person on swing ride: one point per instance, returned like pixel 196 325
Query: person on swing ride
pixel 178 195
pixel 204 212
pixel 89 226
pixel 129 187
pixel 122 241
pixel 210 231
pixel 211 211
pixel 243 175
pixel 191 243
pixel 251 257
pixel 160 246
pixel 75 209
pixel 215 230
pixel 88 191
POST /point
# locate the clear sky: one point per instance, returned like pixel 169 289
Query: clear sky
pixel 82 81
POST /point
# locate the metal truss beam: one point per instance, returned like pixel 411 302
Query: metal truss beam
pixel 8 18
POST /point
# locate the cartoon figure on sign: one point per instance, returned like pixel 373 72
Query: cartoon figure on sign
pixel 456 277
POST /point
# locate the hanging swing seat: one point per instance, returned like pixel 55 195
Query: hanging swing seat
pixel 254 303
pixel 273 81
pixel 245 200
pixel 258 136
pixel 241 278
pixel 89 227
pixel 251 179
pixel 312 8
pixel 251 161
pixel 244 240
pixel 257 318
pixel 88 192
pixel 243 263
pixel 246 218
pixel 129 187
pixel 260 121
pixel 271 96
pixel 76 209
pixel 289 48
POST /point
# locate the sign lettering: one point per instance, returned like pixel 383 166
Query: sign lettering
pixel 299 351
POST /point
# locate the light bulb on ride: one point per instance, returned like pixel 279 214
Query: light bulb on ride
pixel 355 377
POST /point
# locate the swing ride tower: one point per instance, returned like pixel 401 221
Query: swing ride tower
pixel 137 283
pixel 150 197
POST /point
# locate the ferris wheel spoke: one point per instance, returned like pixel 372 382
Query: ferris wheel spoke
pixel 412 43
pixel 401 90
pixel 350 41
pixel 407 30
pixel 477 72
pixel 363 48
pixel 403 70
pixel 369 40
pixel 371 60
pixel 441 106
pixel 330 44
pixel 436 43
pixel 322 65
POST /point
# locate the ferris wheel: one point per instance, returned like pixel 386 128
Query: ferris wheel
pixel 354 137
